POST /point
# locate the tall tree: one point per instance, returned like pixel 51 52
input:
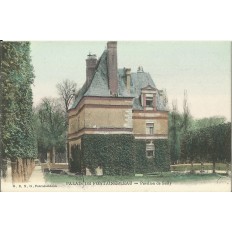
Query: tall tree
pixel 185 125
pixel 67 91
pixel 17 75
pixel 178 126
pixel 174 133
pixel 51 126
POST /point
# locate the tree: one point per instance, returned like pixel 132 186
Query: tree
pixel 51 126
pixel 184 127
pixel 174 133
pixel 67 91
pixel 178 126
pixel 207 122
pixel 18 141
pixel 211 144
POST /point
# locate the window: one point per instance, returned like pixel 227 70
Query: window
pixel 150 149
pixel 149 101
pixel 150 154
pixel 150 128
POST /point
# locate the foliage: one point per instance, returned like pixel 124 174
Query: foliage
pixel 160 162
pixel 141 164
pixel 207 122
pixel 67 91
pixel 50 121
pixel 75 161
pixel 178 126
pixel 17 75
pixel 198 166
pixel 162 158
pixel 113 152
pixel 118 155
pixel 209 144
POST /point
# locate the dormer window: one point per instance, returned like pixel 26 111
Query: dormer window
pixel 149 100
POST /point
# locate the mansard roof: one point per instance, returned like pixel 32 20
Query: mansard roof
pixel 148 87
pixel 99 85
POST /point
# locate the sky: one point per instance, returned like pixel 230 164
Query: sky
pixel 201 68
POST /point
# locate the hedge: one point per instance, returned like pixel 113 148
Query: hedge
pixel 209 144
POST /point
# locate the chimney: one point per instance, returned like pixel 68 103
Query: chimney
pixel 128 79
pixel 91 63
pixel 112 66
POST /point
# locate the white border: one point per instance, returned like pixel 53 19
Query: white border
pixel 105 20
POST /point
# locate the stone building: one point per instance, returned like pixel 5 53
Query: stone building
pixel 118 121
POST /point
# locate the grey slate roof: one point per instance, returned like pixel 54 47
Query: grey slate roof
pixel 99 85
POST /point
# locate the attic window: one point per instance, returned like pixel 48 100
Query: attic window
pixel 149 101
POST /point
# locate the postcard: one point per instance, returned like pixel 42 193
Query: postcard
pixel 115 116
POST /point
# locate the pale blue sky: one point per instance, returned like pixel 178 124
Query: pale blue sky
pixel 202 68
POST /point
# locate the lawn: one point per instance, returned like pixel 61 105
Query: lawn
pixel 166 177
pixel 197 166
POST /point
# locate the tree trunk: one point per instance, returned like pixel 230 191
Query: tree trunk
pixel 25 170
pixel 227 168
pixel 202 167
pixel 14 171
pixel 67 153
pixel 29 167
pixel 53 154
pixel 192 170
pixel 214 167
pixel 4 168
pixel 20 169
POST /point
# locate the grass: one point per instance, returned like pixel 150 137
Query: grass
pixel 197 166
pixel 164 177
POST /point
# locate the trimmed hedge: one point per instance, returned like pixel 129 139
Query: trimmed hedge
pixel 118 155
pixel 210 144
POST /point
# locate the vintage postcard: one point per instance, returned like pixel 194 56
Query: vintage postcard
pixel 115 116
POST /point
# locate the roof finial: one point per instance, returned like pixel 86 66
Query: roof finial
pixel 140 69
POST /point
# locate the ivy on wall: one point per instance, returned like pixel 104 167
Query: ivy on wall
pixel 113 152
pixel 162 157
pixel 160 162
pixel 118 155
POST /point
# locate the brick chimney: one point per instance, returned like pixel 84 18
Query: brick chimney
pixel 91 63
pixel 128 79
pixel 112 65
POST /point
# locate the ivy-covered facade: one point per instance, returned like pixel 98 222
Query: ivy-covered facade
pixel 119 120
